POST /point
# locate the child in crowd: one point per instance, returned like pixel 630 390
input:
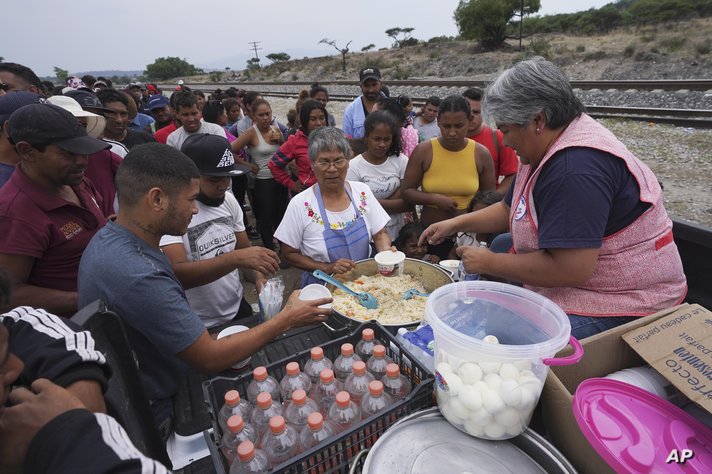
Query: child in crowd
pixel 407 242
pixel 481 200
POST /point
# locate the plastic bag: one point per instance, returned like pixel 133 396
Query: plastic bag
pixel 271 298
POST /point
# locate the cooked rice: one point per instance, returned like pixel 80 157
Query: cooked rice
pixel 392 308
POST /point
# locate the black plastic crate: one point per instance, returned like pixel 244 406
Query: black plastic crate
pixel 333 455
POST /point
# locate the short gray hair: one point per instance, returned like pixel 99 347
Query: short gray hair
pixel 327 138
pixel 528 88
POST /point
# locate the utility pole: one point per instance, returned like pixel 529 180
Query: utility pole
pixel 255 47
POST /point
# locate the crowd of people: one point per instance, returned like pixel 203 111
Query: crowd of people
pixel 141 200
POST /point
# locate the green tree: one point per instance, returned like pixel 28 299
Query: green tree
pixel 396 32
pixel 62 74
pixel 169 67
pixel 278 57
pixel 344 50
pixel 368 47
pixel 253 64
pixel 216 76
pixel 487 21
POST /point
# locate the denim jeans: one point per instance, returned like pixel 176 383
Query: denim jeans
pixel 585 326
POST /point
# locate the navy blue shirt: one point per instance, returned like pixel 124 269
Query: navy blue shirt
pixel 581 196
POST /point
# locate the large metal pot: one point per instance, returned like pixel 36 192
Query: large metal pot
pixel 431 276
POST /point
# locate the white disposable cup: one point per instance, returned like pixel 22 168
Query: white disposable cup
pixel 390 263
pixel 453 266
pixel 315 291
pixel 234 330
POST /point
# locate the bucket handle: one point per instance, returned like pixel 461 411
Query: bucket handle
pixel 568 360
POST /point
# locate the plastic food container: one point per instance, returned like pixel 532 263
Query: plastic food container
pixel 493 346
pixel 234 330
pixel 390 263
pixel 315 291
pixel 453 266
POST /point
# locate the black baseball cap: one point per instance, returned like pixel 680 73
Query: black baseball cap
pixel 9 103
pixel 88 100
pixel 369 73
pixel 48 124
pixel 212 155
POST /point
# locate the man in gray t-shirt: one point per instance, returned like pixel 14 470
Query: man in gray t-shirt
pixel 124 267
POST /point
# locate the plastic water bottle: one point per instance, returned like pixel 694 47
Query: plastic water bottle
pixel 344 412
pixel 378 362
pixel 357 383
pixel 375 400
pixel 281 442
pixel 293 380
pixel 317 430
pixel 316 364
pixel 394 384
pixel 364 347
pixel 234 405
pixel 343 363
pixel 265 409
pixel 464 276
pixel 262 382
pixel 250 460
pixel 237 432
pixel 299 410
pixel 324 393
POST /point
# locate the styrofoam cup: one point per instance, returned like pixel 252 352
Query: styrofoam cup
pixel 390 263
pixel 315 291
pixel 234 330
pixel 453 266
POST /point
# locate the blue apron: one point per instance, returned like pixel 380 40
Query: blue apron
pixel 351 242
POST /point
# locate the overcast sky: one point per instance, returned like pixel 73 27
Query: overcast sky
pixel 92 35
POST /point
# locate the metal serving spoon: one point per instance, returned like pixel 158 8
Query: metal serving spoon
pixel 408 294
pixel 367 300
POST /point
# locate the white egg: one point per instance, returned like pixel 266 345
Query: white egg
pixel 490 367
pixel 471 397
pixel 508 416
pixel 480 417
pixel 453 383
pixel 493 381
pixel 515 430
pixel 481 386
pixel 473 428
pixel 458 408
pixel 494 431
pixel 523 364
pixel 469 373
pixel 528 401
pixel 490 339
pixel 441 395
pixel 444 368
pixel 527 373
pixel 449 415
pixel 510 392
pixel 509 371
pixel 492 402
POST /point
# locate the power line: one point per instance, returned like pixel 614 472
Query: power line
pixel 255 48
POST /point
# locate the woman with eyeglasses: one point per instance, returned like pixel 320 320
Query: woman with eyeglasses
pixel 330 225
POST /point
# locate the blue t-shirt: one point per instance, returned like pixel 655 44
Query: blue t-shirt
pixel 136 281
pixel 581 196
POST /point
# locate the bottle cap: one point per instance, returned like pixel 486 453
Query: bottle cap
pixel 375 387
pixel 317 353
pixel 264 400
pixel 315 421
pixel 277 424
pixel 359 368
pixel 299 397
pixel 392 370
pixel 343 399
pixel 327 376
pixel 347 349
pixel 293 368
pixel 260 374
pixel 379 351
pixel 235 423
pixel 232 397
pixel 367 334
pixel 246 451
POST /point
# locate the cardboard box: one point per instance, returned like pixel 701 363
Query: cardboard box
pixel 679 346
pixel 603 353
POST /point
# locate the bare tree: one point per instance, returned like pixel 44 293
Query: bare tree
pixel 343 50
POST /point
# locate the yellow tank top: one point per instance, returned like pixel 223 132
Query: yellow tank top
pixel 453 174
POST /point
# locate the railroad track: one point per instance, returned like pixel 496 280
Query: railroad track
pixel 694 118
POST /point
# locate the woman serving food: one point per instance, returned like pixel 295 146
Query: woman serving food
pixel 330 225
pixel 588 224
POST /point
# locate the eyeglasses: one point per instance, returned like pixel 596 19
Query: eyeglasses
pixel 324 165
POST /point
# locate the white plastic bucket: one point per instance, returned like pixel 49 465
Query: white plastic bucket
pixel 390 263
pixel 486 389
